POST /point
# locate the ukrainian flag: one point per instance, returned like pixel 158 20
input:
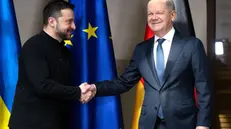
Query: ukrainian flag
pixel 9 49
pixel 94 61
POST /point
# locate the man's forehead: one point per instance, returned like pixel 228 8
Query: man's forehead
pixel 67 12
pixel 156 2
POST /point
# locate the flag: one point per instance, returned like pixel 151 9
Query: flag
pixel 184 24
pixel 9 50
pixel 148 33
pixel 93 61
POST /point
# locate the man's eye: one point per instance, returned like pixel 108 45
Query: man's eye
pixel 69 21
pixel 159 12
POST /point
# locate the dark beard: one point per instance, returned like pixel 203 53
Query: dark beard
pixel 62 35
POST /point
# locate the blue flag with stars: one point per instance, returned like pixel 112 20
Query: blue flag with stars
pixel 94 61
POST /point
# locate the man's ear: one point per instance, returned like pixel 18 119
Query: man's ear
pixel 52 22
pixel 173 15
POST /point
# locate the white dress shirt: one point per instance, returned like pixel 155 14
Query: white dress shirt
pixel 166 45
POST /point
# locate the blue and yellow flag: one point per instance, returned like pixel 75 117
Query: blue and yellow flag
pixel 94 61
pixel 9 50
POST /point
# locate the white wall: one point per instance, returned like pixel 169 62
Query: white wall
pixel 127 20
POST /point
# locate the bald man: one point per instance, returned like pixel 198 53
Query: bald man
pixel 171 65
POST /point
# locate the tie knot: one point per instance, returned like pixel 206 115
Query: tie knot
pixel 160 41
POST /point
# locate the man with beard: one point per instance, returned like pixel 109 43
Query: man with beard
pixel 43 92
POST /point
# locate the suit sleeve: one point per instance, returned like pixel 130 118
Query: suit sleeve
pixel 202 84
pixel 126 81
pixel 36 68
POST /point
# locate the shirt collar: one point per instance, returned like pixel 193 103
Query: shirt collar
pixel 51 38
pixel 168 36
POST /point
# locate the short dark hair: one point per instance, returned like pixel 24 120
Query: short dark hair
pixel 53 9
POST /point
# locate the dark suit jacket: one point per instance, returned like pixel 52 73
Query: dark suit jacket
pixel 43 91
pixel 186 67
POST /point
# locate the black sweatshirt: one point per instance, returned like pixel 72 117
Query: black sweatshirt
pixel 44 85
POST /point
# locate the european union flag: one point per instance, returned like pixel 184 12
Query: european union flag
pixel 9 50
pixel 94 61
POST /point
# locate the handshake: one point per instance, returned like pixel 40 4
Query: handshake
pixel 88 91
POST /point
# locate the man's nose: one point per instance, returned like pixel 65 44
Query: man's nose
pixel 73 26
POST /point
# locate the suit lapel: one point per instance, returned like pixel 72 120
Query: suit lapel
pixel 174 53
pixel 151 64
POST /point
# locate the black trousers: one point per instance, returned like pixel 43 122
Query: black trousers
pixel 160 124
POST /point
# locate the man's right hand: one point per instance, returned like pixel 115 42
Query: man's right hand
pixel 87 92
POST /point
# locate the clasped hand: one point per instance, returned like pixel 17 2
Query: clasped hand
pixel 88 91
